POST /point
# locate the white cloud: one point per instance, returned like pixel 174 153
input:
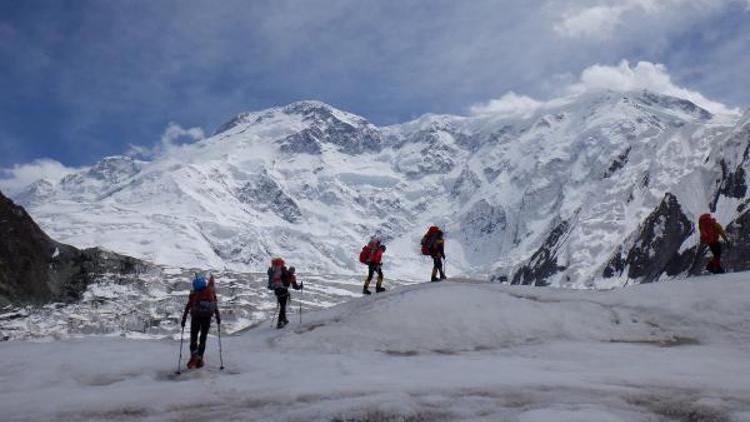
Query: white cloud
pixel 174 135
pixel 18 177
pixel 644 75
pixel 604 19
pixel 593 21
pixel 509 105
pixel 622 78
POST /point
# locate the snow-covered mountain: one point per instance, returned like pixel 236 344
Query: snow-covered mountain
pixel 552 197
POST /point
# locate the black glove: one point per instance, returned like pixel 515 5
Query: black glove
pixel 297 286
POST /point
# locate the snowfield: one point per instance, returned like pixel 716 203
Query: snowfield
pixel 458 350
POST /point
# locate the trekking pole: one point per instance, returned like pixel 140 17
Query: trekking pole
pixel 179 360
pixel 301 295
pixel 221 357
pixel 275 313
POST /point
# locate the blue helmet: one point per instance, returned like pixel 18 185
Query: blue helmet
pixel 199 282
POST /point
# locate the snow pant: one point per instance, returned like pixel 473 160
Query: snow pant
pixel 282 295
pixel 371 270
pixel 199 325
pixel 714 264
pixel 437 266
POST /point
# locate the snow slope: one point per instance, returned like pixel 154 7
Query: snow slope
pixel 445 351
pixel 313 183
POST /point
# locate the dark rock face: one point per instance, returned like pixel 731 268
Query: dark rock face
pixel 306 141
pixel 353 137
pixel 655 247
pixel 618 163
pixel 543 263
pixel 731 185
pixel 35 269
pixel 737 258
pixel 264 193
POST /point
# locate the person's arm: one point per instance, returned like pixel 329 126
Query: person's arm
pixel 293 280
pixel 187 309
pixel 216 311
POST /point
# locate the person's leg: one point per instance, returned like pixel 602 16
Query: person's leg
pixel 194 330
pixel 370 273
pixel 440 267
pixel 716 259
pixel 379 285
pixel 205 324
pixel 435 267
pixel 282 295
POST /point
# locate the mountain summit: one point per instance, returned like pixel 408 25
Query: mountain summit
pixel 547 198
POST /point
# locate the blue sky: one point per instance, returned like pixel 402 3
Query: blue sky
pixel 84 79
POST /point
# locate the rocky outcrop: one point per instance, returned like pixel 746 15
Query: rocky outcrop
pixel 306 141
pixel 35 269
pixel 655 246
pixel 543 264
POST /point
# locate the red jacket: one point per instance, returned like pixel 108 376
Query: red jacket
pixel 710 229
pixel 209 293
pixel 376 256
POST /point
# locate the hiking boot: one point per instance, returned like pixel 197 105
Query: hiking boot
pixel 434 279
pixel 192 362
pixel 199 363
pixel 365 291
pixel 280 324
pixel 443 277
pixel 379 289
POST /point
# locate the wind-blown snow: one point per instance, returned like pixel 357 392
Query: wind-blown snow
pixel 440 351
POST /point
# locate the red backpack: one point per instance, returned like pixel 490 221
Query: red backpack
pixel 707 227
pixel 276 274
pixel 364 255
pixel 429 239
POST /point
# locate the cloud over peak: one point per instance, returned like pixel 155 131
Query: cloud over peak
pixel 623 77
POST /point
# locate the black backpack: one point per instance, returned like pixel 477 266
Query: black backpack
pixel 205 307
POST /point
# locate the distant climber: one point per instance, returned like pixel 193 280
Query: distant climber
pixel 279 280
pixel 372 256
pixel 711 231
pixel 433 244
pixel 202 305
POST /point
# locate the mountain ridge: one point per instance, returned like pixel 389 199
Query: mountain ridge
pixel 311 182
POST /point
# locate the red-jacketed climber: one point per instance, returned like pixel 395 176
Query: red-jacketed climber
pixel 202 305
pixel 372 256
pixel 711 231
